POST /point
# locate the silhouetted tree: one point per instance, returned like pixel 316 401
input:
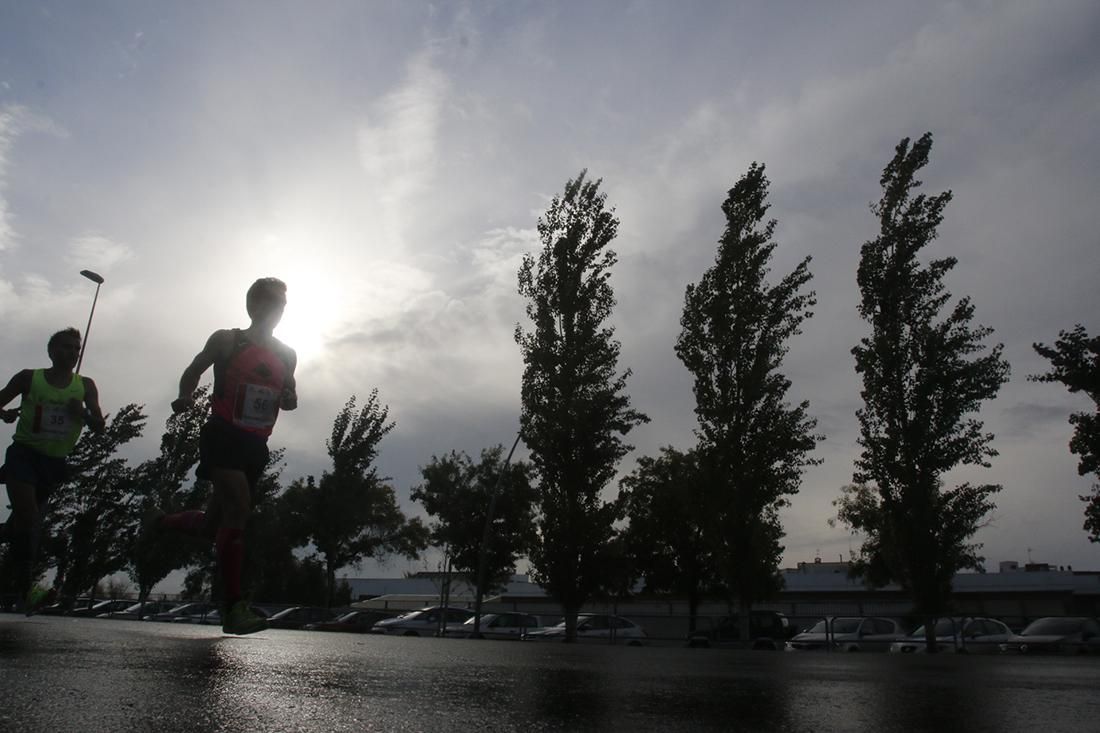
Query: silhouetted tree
pixel 923 377
pixel 92 513
pixel 753 445
pixel 575 410
pixel 162 482
pixel 457 492
pixel 663 499
pixel 351 513
pixel 1075 362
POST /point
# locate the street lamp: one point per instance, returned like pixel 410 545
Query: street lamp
pixel 98 280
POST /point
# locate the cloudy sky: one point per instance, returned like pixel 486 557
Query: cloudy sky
pixel 389 160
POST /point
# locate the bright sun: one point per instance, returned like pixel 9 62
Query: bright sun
pixel 312 310
pixel 303 327
pixel 314 306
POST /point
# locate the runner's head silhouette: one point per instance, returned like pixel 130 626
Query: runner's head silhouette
pixel 266 300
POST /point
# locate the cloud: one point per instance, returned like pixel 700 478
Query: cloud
pixel 398 151
pixel 97 252
pixel 1026 419
pixel 10 116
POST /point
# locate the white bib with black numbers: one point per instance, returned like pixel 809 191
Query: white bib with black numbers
pixel 257 406
pixel 54 421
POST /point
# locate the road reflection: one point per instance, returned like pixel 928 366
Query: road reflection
pixel 62 674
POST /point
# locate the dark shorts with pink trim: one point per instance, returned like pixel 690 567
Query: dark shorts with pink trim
pixel 223 446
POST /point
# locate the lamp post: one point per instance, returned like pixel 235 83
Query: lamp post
pixel 98 280
pixel 483 552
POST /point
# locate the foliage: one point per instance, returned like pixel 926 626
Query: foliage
pixel 351 513
pixel 923 377
pixel 575 410
pixel 159 483
pixel 663 499
pixel 90 514
pixel 458 492
pixel 1075 362
pixel 753 446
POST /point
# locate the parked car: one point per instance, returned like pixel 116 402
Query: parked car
pixel 101 607
pixel 137 611
pixel 1056 635
pixel 510 625
pixel 425 622
pixel 356 622
pixel 63 607
pixel 767 630
pixel 298 616
pixel 849 634
pixel 183 612
pixel 214 616
pixel 962 635
pixel 595 627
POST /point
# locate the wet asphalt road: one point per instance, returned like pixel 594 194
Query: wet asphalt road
pixel 60 674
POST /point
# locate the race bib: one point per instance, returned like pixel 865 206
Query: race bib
pixel 257 407
pixel 53 421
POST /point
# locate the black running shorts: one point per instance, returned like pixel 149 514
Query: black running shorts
pixel 223 446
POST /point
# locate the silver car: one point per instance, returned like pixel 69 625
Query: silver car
pixel 509 625
pixel 599 627
pixel 425 622
pixel 849 634
pixel 961 635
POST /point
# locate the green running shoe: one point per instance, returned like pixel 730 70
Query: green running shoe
pixel 240 620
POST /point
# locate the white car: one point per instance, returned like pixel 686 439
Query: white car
pixel 595 627
pixel 849 634
pixel 139 611
pixel 509 625
pixel 425 622
pixel 183 613
pixel 961 635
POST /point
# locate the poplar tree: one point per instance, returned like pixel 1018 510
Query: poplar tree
pixel 925 373
pixel 753 444
pixel 1075 363
pixel 575 410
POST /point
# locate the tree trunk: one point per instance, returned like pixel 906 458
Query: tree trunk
pixel 744 622
pixel 930 635
pixel 570 623
pixel 330 583
pixel 693 610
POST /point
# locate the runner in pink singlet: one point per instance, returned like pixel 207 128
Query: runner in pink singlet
pixel 253 382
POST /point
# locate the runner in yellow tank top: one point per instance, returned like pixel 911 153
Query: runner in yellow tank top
pixel 56 404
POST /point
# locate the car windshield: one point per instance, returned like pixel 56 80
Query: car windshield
pixel 348 616
pixel 1052 626
pixel 485 619
pixel 943 627
pixel 839 626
